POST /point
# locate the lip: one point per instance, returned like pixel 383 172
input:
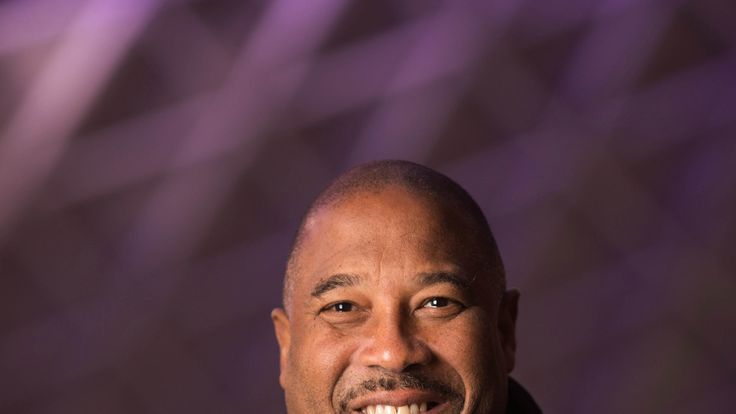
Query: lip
pixel 396 398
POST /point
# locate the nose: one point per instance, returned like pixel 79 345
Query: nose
pixel 391 345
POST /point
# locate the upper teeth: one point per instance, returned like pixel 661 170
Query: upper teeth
pixel 390 409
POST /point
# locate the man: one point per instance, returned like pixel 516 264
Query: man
pixel 395 301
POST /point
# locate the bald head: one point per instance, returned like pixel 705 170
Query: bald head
pixel 445 198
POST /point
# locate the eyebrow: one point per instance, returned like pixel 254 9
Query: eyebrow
pixel 434 278
pixel 333 282
pixel 425 279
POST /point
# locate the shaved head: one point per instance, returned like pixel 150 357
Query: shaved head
pixel 421 182
pixel 395 300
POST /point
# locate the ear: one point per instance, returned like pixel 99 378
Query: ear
pixel 507 312
pixel 282 327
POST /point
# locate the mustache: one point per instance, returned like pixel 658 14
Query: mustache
pixel 404 381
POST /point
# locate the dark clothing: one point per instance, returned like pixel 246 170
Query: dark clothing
pixel 520 402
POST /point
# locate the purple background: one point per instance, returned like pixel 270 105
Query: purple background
pixel 155 158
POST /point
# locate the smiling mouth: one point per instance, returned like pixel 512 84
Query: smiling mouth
pixel 415 408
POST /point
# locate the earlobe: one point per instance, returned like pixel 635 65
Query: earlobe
pixel 282 328
pixel 507 314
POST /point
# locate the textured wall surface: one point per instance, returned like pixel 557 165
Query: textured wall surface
pixel 156 156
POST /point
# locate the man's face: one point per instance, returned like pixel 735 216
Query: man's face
pixel 391 307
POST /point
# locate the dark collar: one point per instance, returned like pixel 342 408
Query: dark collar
pixel 520 401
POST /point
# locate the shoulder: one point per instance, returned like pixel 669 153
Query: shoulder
pixel 520 401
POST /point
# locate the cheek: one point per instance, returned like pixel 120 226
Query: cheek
pixel 468 346
pixel 330 354
pixel 465 341
pixel 317 360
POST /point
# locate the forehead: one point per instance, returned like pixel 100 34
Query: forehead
pixel 388 227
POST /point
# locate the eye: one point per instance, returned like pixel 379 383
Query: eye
pixel 343 314
pixel 440 307
pixel 341 307
pixel 437 302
